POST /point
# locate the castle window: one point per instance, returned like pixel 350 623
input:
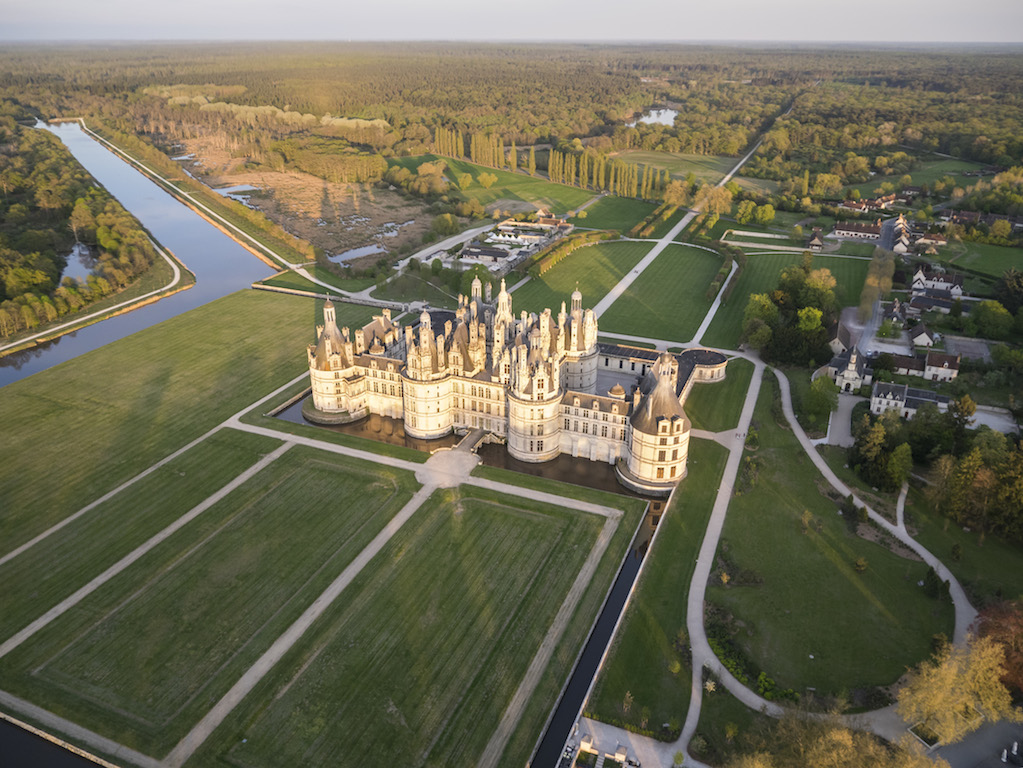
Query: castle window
pixel 660 473
pixel 607 361
pixel 566 423
pixel 603 431
pixel 614 409
pixel 539 429
pixel 531 446
pixel 663 441
pixel 674 454
pixel 673 471
pixel 633 366
pixel 488 407
pixel 539 445
pixel 575 426
pixel 621 363
pixel 586 428
pixel 337 374
pixel 660 455
pixel 393 392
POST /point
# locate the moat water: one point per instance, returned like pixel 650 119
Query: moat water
pixel 567 469
pixel 220 265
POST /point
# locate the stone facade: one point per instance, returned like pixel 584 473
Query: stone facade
pixel 540 383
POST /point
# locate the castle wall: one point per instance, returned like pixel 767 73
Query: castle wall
pixel 662 457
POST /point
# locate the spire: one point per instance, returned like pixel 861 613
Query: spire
pixel 577 299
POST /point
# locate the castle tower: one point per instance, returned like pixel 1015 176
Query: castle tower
pixel 579 337
pixel 534 398
pixel 659 446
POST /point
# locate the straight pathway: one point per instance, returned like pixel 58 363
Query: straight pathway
pixel 69 602
pixel 194 739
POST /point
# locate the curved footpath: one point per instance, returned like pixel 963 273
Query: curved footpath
pixel 884 722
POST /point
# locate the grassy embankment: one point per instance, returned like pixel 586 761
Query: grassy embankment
pixel 641 660
pixel 154 278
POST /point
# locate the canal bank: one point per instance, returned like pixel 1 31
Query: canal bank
pixel 220 264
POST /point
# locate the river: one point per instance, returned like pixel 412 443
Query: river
pixel 221 265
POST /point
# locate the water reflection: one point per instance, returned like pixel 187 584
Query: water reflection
pixel 656 117
pixel 373 427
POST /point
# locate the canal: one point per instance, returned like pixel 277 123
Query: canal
pixel 221 266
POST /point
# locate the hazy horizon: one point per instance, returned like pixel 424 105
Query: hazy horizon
pixel 805 22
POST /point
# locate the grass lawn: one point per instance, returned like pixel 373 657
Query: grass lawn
pixel 89 424
pixel 758 186
pixel 45 574
pixel 710 168
pixel 429 645
pixel 669 299
pixel 610 212
pixel 803 614
pixel 761 276
pixel 595 268
pixel 848 248
pixel 989 571
pixel 141 659
pixel 927 172
pixel 640 660
pixel 559 198
pixel 990 259
pixel 717 406
pixel 291 279
pixel 410 287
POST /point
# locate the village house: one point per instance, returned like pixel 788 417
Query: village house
pixel 922 336
pixel 933 366
pixel 886 396
pixel 862 230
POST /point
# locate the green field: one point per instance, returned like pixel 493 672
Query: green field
pixel 718 709
pixel 419 662
pixel 94 422
pixel 291 279
pixel 644 648
pixel 669 299
pixel 45 574
pixel 989 259
pixel 411 287
pixel 847 630
pixel 710 168
pixel 141 659
pixel 927 172
pixel 509 187
pixel 757 186
pixel 610 212
pixel 761 276
pixel 717 406
pixel 595 268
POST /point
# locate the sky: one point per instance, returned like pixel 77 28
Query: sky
pixel 806 21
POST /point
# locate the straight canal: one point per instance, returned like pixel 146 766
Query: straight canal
pixel 221 266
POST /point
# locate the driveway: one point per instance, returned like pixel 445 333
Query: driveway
pixel 840 428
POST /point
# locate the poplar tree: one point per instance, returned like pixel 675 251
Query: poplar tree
pixel 531 162
pixel 513 158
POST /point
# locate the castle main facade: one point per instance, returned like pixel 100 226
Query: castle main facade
pixel 540 383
